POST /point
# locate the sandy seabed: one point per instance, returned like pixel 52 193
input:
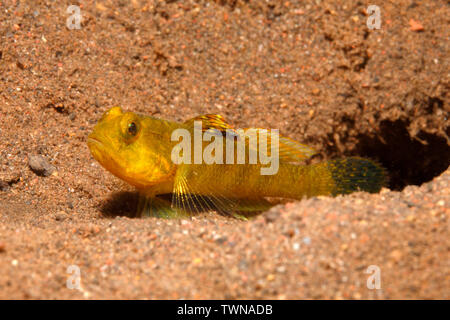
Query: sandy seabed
pixel 312 69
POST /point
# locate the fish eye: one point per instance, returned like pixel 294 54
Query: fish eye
pixel 132 129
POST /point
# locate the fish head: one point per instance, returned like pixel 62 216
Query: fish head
pixel 120 144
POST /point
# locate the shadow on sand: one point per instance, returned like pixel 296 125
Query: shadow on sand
pixel 120 204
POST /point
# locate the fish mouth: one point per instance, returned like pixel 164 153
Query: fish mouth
pixel 93 142
pixel 97 148
pixel 100 152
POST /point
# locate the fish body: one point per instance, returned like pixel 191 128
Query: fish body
pixel 140 150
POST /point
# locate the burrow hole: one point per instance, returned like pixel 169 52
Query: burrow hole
pixel 408 161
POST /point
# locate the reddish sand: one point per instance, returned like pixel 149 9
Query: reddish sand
pixel 313 69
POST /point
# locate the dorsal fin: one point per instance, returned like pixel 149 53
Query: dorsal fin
pixel 289 150
pixel 293 151
pixel 211 121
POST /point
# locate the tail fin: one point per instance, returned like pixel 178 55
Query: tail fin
pixel 356 174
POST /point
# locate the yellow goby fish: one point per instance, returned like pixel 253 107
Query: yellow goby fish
pixel 139 150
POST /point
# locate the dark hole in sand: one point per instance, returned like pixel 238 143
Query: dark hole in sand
pixel 409 161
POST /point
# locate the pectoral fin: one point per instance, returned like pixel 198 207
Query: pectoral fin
pixel 157 207
pixel 190 198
